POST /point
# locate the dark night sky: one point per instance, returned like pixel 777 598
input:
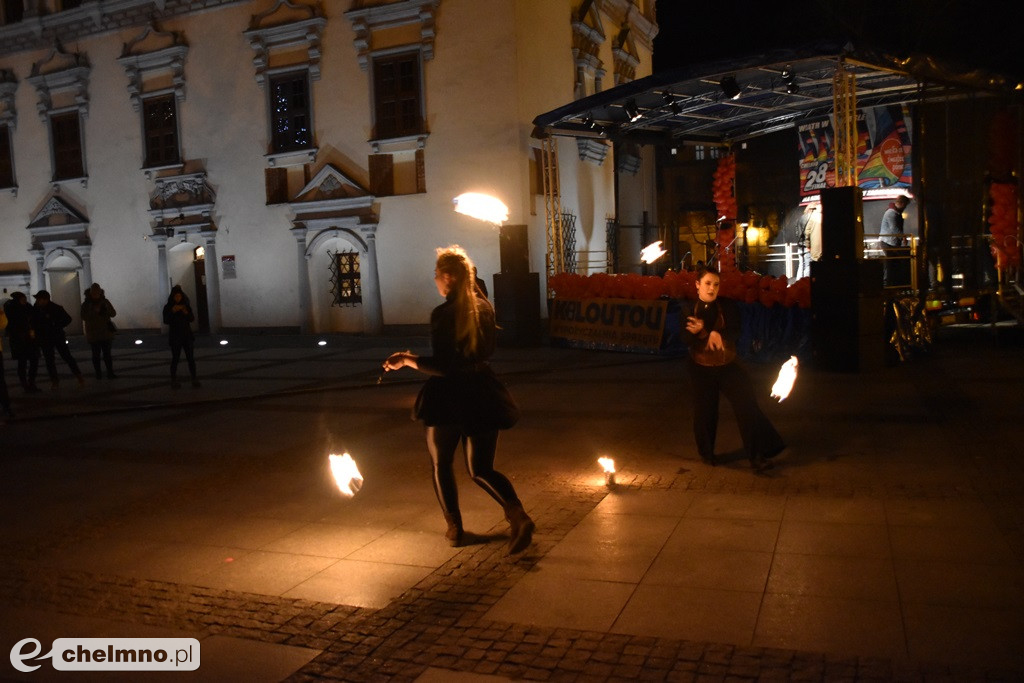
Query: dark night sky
pixel 971 34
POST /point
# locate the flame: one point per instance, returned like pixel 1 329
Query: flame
pixel 608 464
pixel 346 474
pixel 787 376
pixel 652 252
pixel 481 206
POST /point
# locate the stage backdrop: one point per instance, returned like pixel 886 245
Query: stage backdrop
pixel 883 153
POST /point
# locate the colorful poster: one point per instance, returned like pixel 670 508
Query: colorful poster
pixel 883 153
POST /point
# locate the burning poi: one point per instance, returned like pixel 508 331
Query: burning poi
pixel 346 474
pixel 787 376
pixel 482 207
pixel 609 469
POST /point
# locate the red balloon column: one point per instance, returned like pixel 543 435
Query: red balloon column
pixel 723 191
pixel 1002 222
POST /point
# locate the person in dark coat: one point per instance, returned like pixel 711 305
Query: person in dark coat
pixel 712 328
pixel 23 340
pixel 178 317
pixel 5 399
pixel 49 320
pixel 97 312
pixel 463 401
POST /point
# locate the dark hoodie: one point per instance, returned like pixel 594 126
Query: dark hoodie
pixel 179 321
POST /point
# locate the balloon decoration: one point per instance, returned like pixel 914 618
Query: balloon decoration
pixel 748 286
pixel 1002 221
pixel 723 191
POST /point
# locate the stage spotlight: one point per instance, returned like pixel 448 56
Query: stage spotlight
pixel 632 113
pixel 588 121
pixel 789 78
pixel 730 88
pixel 672 105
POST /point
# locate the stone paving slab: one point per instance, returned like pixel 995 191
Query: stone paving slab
pixel 948 462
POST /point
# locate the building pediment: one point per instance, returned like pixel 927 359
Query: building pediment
pixel 58 221
pixel 331 184
pixel 57 212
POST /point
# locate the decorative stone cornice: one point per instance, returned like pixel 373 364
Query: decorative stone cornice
pixel 366 20
pixel 73 25
pixel 140 62
pixel 286 25
pixel 57 72
pixel 183 203
pixel 625 13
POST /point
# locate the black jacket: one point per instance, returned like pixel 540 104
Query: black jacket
pixel 49 322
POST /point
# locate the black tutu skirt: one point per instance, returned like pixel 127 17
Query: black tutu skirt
pixel 475 400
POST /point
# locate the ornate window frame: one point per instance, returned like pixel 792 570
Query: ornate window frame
pixel 276 29
pixel 367 20
pixel 140 64
pixel 62 72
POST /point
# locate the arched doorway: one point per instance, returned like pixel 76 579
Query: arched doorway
pixel 64 282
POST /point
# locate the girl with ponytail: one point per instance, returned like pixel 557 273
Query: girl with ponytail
pixel 463 401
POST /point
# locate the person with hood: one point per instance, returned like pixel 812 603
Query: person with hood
pixel 97 312
pixel 463 402
pixel 5 398
pixel 178 317
pixel 23 340
pixel 49 320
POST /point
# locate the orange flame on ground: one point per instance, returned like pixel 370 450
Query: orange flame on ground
pixel 346 474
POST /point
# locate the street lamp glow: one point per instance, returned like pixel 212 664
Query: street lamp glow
pixel 223 342
pixel 322 342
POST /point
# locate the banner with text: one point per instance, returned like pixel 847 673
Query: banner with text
pixel 883 153
pixel 615 324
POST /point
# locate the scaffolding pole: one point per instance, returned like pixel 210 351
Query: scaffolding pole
pixel 555 257
pixel 844 104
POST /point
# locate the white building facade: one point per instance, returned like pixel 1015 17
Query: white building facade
pixel 292 165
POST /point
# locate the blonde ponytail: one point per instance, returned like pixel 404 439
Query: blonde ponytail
pixel 454 261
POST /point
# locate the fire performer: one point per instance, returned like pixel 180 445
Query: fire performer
pixel 463 401
pixel 712 327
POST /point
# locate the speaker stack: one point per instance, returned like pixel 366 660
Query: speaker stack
pixel 516 290
pixel 847 307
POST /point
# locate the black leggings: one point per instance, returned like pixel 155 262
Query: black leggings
pixel 442 441
pixel 190 358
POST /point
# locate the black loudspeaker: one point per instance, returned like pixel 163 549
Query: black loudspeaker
pixel 517 308
pixel 847 315
pixel 514 249
pixel 842 224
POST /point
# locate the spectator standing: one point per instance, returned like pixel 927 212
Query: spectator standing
pixel 49 320
pixel 178 317
pixel 97 312
pixel 23 340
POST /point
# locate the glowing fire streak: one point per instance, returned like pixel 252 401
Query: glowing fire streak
pixel 652 252
pixel 482 207
pixel 346 474
pixel 787 376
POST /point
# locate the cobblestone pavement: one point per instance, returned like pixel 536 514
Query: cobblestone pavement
pixel 970 398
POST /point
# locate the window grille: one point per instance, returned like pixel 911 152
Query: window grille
pixel 569 241
pixel 345 285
